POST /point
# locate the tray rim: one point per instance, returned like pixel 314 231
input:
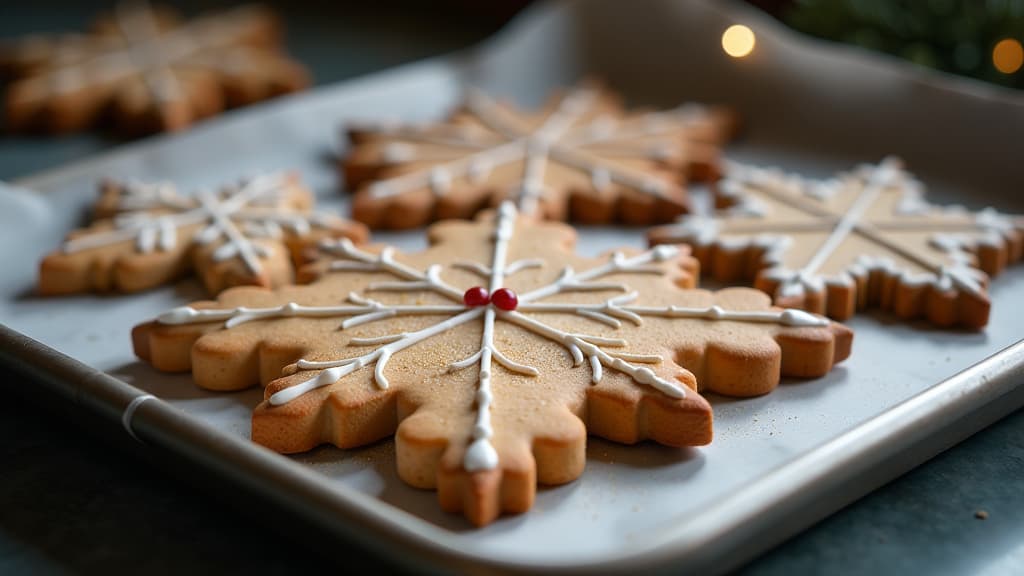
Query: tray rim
pixel 873 452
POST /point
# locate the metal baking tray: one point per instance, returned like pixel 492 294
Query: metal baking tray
pixel 778 463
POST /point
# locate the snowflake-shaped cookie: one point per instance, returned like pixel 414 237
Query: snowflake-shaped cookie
pixel 145 235
pixel 148 70
pixel 582 158
pixel 490 355
pixel 865 239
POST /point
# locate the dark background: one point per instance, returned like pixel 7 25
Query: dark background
pixel 74 501
pixel 955 36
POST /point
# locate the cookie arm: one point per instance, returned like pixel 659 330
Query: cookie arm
pixel 114 267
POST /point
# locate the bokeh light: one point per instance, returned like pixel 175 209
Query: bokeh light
pixel 1008 55
pixel 738 41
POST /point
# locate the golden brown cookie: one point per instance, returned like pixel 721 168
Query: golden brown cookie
pixel 145 70
pixel 582 157
pixel 145 235
pixel 491 355
pixel 865 239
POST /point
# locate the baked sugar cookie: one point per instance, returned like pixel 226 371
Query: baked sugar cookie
pixel 582 157
pixel 147 234
pixel 491 355
pixel 864 239
pixel 145 70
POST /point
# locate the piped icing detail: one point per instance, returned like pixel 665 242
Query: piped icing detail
pixel 153 215
pixel 574 136
pixel 953 233
pixel 599 353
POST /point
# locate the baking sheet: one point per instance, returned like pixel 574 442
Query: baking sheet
pixel 816 109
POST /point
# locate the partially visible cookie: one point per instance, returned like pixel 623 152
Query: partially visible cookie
pixel 582 157
pixel 490 355
pixel 144 235
pixel 145 70
pixel 865 239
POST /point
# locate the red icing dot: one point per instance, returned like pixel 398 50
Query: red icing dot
pixel 476 296
pixel 505 299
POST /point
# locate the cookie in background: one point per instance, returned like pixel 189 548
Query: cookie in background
pixel 253 233
pixel 143 69
pixel 583 157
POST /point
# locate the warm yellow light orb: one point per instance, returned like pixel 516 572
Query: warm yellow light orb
pixel 738 41
pixel 1008 55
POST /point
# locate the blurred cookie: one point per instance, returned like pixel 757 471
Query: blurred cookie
pixel 144 70
pixel 582 157
pixel 145 235
pixel 865 239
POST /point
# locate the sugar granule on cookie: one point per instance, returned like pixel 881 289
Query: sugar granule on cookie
pixel 146 70
pixel 583 157
pixel 144 235
pixel 490 355
pixel 864 239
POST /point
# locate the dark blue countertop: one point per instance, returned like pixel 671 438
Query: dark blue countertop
pixel 71 504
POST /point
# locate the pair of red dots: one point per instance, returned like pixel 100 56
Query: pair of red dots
pixel 503 298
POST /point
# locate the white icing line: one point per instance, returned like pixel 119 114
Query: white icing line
pixel 652 124
pixel 385 261
pixel 881 177
pixel 141 32
pixel 491 114
pixel 538 144
pixel 335 370
pixel 520 265
pixel 570 280
pixel 132 229
pixel 940 271
pixel 135 196
pixel 474 267
pixel 769 181
pixel 481 455
pixel 588 164
pixel 233 317
pixel 497 156
pixel 532 187
pixel 439 134
pixel 590 346
pixel 786 317
pixel 235 243
pixel 570 109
